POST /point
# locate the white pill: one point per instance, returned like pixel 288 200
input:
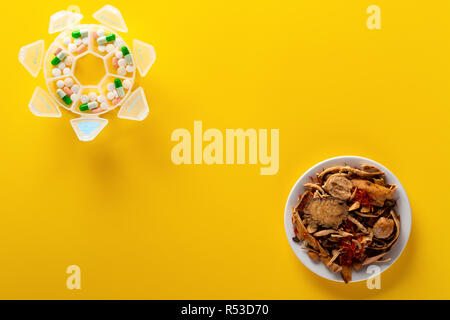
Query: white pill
pixel 66 71
pixel 56 72
pixel 101 99
pixel 68 82
pixel 101 48
pixel 67 41
pixel 110 86
pixel 61 65
pixel 121 71
pixel 75 88
pixel 130 68
pixel 92 96
pixel 118 42
pixel 110 47
pixel 116 95
pixel 122 62
pixel 126 83
pixel 110 95
pixel 77 41
pixel 85 40
pixel 68 61
pixel 60 84
pixel 74 97
pixel 104 105
pixel 101 32
pixel 84 98
pixel 119 55
pixel 72 47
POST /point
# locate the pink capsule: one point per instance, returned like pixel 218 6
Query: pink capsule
pixel 58 50
pixel 98 110
pixel 115 62
pixel 115 101
pixel 82 48
pixel 68 91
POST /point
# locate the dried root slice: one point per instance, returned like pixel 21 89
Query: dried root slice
pixel 336 254
pixel 311 228
pixel 382 261
pixel 354 206
pixel 302 233
pixel 374 258
pixel 358 224
pixel 366 240
pixel 379 194
pixel 356 266
pixel 315 186
pixel 365 215
pixel 346 273
pixel 326 232
pixel 306 196
pixel 397 226
pixel 357 172
pixel 342 234
pixel 313 255
pixel 332 266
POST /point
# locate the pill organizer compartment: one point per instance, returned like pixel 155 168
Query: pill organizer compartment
pixel 76 45
pixel 86 91
pixel 48 66
pixel 52 85
pixel 115 69
pixel 108 83
pixel 108 47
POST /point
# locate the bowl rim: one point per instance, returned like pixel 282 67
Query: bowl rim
pixel 313 169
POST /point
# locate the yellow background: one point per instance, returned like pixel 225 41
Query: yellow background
pixel 141 227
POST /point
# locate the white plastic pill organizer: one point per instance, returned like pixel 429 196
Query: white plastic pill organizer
pixel 68 91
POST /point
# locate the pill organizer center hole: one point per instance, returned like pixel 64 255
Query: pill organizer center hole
pixel 89 70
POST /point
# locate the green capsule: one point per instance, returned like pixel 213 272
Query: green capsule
pixel 125 51
pixel 64 97
pixel 88 106
pixel 62 55
pixel 76 34
pixel 105 39
pixel 55 61
pixel 117 83
pixel 67 100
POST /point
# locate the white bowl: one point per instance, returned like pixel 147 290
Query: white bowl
pixel 402 209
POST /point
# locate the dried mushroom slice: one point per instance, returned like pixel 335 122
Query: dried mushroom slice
pixel 339 186
pixel 327 212
pixel 383 228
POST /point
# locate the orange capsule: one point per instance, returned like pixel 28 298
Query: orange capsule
pixel 58 50
pixel 94 35
pixel 68 91
pixel 115 62
pixel 115 101
pixel 82 48
pixel 98 110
